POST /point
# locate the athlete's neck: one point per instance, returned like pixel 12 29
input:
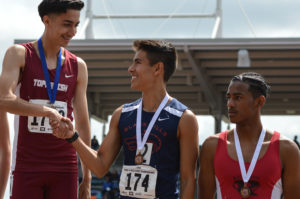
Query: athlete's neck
pixel 51 49
pixel 249 132
pixel 152 100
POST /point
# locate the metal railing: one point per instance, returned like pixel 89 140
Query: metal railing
pixel 88 24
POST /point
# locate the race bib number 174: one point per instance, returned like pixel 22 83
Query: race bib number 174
pixel 138 181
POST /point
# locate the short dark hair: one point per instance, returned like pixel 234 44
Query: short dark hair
pixel 159 51
pixel 256 82
pixel 58 6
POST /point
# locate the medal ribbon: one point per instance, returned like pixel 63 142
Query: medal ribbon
pixel 246 175
pixel 141 143
pixel 51 92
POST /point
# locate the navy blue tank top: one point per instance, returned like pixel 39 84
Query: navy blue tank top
pixel 165 151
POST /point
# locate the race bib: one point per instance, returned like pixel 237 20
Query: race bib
pixel 138 181
pixel 41 124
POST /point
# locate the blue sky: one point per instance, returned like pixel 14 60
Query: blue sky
pixel 241 19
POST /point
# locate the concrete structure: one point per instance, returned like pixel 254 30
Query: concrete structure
pixel 205 67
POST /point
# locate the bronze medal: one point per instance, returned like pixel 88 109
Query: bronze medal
pixel 245 191
pixel 139 159
pixel 52 106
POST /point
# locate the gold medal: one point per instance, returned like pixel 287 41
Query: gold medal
pixel 139 159
pixel 245 191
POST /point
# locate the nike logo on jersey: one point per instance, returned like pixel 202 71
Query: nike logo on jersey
pixel 68 76
pixel 162 119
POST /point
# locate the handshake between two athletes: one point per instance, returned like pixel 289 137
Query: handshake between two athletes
pixel 62 129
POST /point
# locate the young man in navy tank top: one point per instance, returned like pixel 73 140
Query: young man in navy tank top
pixel 42 165
pixel 248 161
pixel 158 134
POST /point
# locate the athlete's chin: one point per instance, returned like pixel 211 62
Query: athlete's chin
pixel 232 119
pixel 65 43
pixel 135 88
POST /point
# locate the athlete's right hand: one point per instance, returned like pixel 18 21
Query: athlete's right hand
pixel 64 130
pixel 54 117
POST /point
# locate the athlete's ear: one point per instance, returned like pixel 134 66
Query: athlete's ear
pixel 158 68
pixel 46 20
pixel 261 100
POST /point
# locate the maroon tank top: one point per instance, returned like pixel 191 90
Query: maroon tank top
pixel 34 150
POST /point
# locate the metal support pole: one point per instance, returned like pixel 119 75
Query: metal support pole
pixel 88 24
pixel 217 31
pixel 218 114
pixel 218 120
pixel 89 34
pixel 103 130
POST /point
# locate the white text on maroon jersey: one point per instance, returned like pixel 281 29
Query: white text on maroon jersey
pixel 42 83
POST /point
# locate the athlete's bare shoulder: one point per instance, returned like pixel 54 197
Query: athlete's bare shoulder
pixel 115 118
pixel 212 140
pixel 82 75
pixel 118 110
pixel 13 61
pixel 287 144
pixel 289 151
pixel 16 51
pixel 80 60
pixel 210 144
pixel 188 124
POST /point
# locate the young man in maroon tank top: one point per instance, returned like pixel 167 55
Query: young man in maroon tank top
pixel 42 165
pixel 248 162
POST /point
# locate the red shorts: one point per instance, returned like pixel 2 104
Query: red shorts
pixel 43 185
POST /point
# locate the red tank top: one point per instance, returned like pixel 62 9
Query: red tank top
pixel 38 151
pixel 265 182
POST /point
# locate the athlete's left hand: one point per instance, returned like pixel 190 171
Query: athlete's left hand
pixel 84 190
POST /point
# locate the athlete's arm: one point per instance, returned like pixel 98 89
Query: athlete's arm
pixel 14 61
pixel 82 123
pixel 5 152
pixel 189 148
pixel 206 177
pixel 98 162
pixel 290 159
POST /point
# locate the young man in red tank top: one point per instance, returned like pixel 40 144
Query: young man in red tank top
pixel 248 161
pixel 44 166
